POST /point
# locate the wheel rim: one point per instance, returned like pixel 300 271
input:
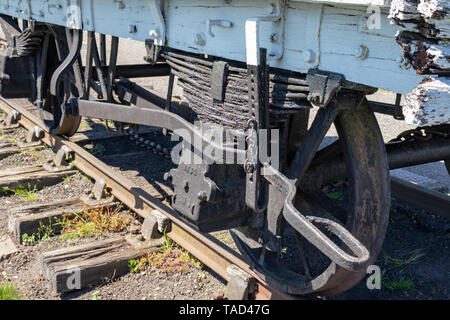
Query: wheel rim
pixel 368 208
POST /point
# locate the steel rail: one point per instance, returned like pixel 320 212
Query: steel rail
pixel 204 247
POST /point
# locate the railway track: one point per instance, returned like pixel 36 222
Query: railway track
pixel 145 199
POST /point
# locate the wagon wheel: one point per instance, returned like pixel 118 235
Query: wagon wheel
pixel 366 215
pixel 64 81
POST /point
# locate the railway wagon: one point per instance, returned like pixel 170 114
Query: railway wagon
pixel 251 72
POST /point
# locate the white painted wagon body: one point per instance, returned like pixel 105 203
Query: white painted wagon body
pixel 353 37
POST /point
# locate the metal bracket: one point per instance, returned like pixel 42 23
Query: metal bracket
pixel 11 119
pixel 153 51
pixel 218 80
pixel 258 90
pixel 323 86
pixel 276 15
pixel 240 284
pixel 153 229
pixel 60 162
pixel 35 135
pixel 155 225
pixel 98 196
pixel 398 109
pixel 159 33
pixel 33 138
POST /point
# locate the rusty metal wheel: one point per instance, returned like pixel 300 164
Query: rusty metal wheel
pixel 365 216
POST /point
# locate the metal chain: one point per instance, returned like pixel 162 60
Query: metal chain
pixel 147 144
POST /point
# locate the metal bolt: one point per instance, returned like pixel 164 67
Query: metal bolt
pixel 315 99
pixel 202 196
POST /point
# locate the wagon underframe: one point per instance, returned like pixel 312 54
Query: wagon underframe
pixel 249 66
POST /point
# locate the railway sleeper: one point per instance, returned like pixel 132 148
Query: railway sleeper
pixel 33 177
pixel 31 219
pixel 78 267
pixel 81 266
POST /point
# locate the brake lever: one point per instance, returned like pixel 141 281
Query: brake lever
pixel 305 226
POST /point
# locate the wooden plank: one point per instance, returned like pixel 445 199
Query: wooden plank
pixel 33 177
pixel 338 31
pixel 28 219
pixel 8 151
pixel 77 267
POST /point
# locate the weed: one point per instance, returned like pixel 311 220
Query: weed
pixel 167 245
pixel 45 232
pixel 336 196
pixel 400 262
pixel 25 193
pixel 67 178
pixel 170 258
pixel 28 240
pixel 9 292
pixel 397 285
pixel 136 266
pixel 94 222
pixel 96 295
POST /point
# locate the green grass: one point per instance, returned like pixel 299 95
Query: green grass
pixel 170 258
pixel 28 194
pixel 9 292
pixel 336 196
pixel 401 262
pixel 397 285
pixel 94 222
pixel 45 232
